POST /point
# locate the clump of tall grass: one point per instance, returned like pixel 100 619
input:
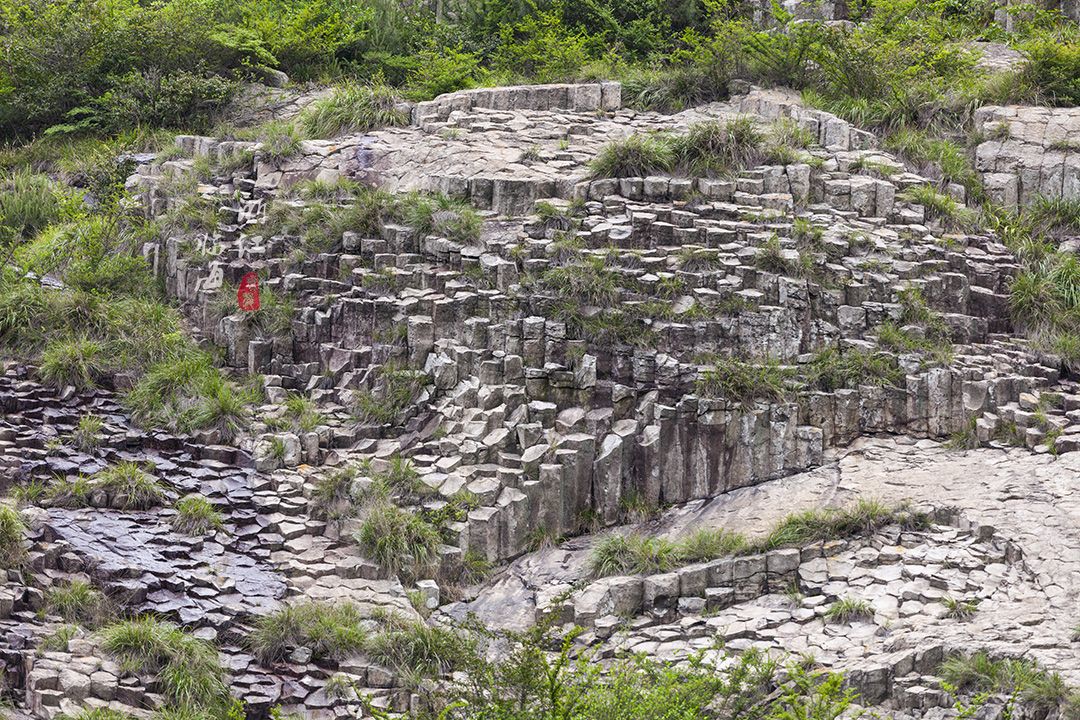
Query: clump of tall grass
pixel 187 668
pixel 329 631
pixel 353 108
pixel 635 156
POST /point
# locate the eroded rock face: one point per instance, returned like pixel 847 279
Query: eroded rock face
pixel 552 431
pixel 1030 152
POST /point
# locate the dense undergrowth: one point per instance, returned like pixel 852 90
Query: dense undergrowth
pixel 125 63
pixel 79 300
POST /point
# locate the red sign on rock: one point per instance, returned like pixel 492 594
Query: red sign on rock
pixel 247 296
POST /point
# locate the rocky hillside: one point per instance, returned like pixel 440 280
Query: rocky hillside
pixel 553 406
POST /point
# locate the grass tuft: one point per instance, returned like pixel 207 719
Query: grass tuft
pixel 848 609
pixel 195 515
pixel 187 668
pixel 352 108
pixel 329 631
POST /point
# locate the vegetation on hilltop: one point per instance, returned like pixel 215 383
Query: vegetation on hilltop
pixel 126 63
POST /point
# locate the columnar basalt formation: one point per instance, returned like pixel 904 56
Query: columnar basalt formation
pixel 534 408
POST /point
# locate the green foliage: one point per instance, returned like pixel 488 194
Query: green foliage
pixel 396 388
pixel 352 109
pixel 29 202
pixel 400 541
pixel 939 206
pixel 542 678
pixel 631 553
pixel 330 631
pixel 637 156
pixel 12 535
pixel 77 602
pixel 541 48
pixel 1021 678
pixel 129 486
pixel 186 667
pixel 832 369
pixel 866 516
pixel 959 609
pixel 331 498
pixel 280 141
pixel 949 159
pixel 622 554
pixel 1054 69
pixel 78 362
pixel 416 648
pixel 712 147
pixel 744 382
pixel 87 435
pixel 847 609
pixel 195 515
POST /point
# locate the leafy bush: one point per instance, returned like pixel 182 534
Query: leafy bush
pixel 1053 67
pixel 280 141
pixel 330 631
pixel 352 109
pixel 831 369
pixel 712 147
pixel 29 202
pixel 541 48
pixel 187 668
pixel 87 435
pixel 620 554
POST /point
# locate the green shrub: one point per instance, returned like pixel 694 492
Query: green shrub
pixel 79 362
pixel 832 369
pixel 187 668
pixel 444 70
pixel 866 516
pixel 439 215
pixel 331 498
pixel 196 516
pixel 938 206
pixel 129 486
pixel 352 109
pixel 619 554
pixel 29 202
pixel 399 541
pixel 959 609
pixel 396 388
pixel 12 536
pixel 541 48
pixel 330 631
pixel 710 544
pixel 590 282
